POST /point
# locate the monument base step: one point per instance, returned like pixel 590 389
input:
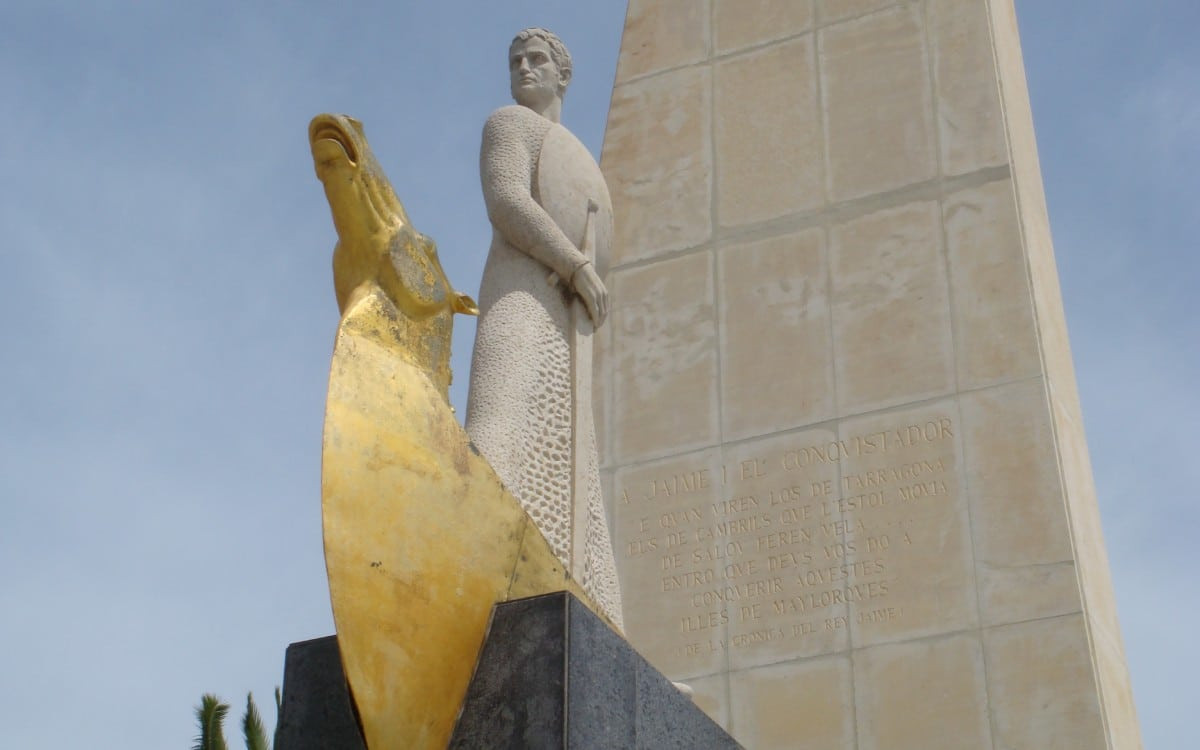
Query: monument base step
pixel 551 675
pixel 316 712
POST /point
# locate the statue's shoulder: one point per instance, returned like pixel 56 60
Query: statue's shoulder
pixel 514 121
pixel 515 113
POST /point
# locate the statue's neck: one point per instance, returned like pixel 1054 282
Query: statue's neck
pixel 552 111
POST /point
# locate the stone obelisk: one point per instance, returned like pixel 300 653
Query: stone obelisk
pixel 839 426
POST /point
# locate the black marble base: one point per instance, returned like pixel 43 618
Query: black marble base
pixel 553 675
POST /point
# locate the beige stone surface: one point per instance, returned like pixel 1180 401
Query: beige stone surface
pixel 791 539
pixel 829 11
pixel 993 311
pixel 770 151
pixel 891 312
pixel 658 508
pixel 738 23
pixel 928 694
pixel 1041 687
pixel 835 294
pixel 665 352
pixel 777 353
pixel 970 123
pixel 661 34
pixel 1022 542
pixel 658 161
pixel 878 103
pixel 908 534
pixel 804 705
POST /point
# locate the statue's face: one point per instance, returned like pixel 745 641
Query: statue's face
pixel 535 79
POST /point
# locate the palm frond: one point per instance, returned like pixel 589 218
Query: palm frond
pixel 278 713
pixel 252 727
pixel 210 714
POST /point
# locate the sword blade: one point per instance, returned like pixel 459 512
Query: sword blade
pixel 580 336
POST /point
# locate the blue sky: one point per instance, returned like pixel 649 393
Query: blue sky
pixel 165 282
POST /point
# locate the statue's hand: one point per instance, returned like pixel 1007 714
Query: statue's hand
pixel 592 292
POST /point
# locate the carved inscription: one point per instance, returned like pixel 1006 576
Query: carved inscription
pixel 793 544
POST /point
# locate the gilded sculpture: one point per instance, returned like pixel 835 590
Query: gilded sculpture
pixel 421 538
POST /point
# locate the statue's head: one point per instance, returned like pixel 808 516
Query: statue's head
pixel 539 67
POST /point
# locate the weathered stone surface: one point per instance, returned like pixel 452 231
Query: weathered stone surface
pixel 659 603
pixel 1041 685
pixel 912 522
pixel 1022 544
pixel 927 694
pixel 738 23
pixel 797 704
pixel 891 320
pixel 769 152
pixel 995 340
pixel 878 103
pixel 658 163
pixel 845 460
pixel 662 35
pixel 774 388
pixel 552 675
pixel 970 124
pixel 665 354
pixel 830 11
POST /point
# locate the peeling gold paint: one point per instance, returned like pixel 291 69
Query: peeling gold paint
pixel 378 249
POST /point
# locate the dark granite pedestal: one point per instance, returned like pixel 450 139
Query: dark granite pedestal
pixel 316 712
pixel 551 675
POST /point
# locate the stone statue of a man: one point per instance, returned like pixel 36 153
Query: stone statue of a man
pixel 529 407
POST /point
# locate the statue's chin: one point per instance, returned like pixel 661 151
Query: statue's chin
pixel 532 96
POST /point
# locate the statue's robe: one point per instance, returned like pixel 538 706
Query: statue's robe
pixel 519 409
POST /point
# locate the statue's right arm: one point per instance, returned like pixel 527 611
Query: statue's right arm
pixel 511 139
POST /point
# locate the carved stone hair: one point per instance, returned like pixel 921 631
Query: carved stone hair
pixel 558 50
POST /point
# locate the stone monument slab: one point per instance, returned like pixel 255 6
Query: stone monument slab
pixel 836 411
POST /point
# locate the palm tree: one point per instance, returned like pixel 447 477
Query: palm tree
pixel 252 727
pixel 210 714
